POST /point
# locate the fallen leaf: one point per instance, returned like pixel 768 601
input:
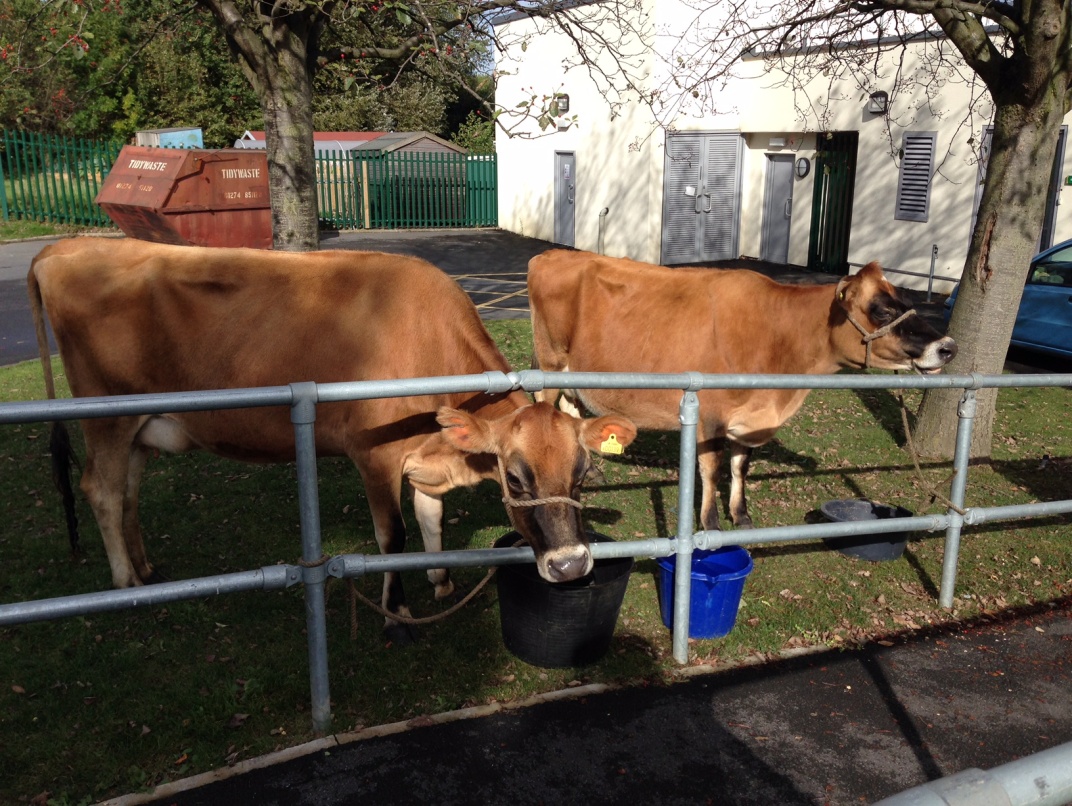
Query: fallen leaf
pixel 18 689
pixel 237 721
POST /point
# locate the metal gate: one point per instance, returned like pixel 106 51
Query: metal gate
pixel 831 211
pixel 701 197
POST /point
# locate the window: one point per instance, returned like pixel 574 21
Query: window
pixel 1054 269
pixel 914 182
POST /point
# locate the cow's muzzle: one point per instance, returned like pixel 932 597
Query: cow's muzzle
pixel 561 564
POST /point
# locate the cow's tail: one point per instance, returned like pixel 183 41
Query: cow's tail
pixel 59 443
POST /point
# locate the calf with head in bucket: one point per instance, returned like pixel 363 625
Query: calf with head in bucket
pixel 133 317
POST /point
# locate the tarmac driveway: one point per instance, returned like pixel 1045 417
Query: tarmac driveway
pixel 490 265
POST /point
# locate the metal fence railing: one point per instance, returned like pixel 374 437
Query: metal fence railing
pixel 51 178
pixel 357 190
pixel 56 179
pixel 302 398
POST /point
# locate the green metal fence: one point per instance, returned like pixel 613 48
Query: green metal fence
pixel 51 178
pixel 406 190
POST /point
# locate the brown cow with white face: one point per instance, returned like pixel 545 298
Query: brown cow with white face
pixel 132 317
pixel 598 314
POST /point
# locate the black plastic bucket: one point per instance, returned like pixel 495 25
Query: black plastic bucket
pixel 560 625
pixel 876 548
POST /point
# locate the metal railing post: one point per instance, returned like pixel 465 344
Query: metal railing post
pixel 961 455
pixel 314 567
pixel 689 414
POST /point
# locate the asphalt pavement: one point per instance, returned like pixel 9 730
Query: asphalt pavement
pixel 830 726
pixel 833 727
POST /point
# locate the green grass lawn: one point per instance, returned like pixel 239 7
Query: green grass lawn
pixel 91 707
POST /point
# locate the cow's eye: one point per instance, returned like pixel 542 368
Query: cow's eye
pixel 513 481
pixel 883 315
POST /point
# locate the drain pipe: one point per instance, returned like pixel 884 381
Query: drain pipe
pixel 930 279
pixel 602 228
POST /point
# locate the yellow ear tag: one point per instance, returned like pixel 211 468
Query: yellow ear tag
pixel 612 445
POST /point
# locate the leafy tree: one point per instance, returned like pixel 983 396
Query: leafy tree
pixel 107 69
pixel 110 68
pixel 281 45
pixel 477 134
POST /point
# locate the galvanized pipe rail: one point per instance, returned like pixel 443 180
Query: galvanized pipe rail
pixel 302 398
pixel 1041 779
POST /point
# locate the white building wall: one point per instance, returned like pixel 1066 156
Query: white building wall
pixel 620 159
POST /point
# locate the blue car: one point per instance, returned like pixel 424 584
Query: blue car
pixel 1044 321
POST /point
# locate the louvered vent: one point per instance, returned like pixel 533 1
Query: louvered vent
pixel 914 182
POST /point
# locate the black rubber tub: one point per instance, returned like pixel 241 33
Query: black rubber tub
pixel 560 625
pixel 876 548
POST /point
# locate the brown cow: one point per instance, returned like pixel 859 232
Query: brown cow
pixel 133 317
pixel 599 314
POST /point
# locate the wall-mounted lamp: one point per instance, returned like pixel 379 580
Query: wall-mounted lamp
pixel 877 102
pixel 801 168
pixel 560 104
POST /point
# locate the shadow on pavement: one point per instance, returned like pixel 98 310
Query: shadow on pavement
pixel 837 726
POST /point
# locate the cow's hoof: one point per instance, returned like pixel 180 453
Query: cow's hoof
pixel 743 523
pixel 156 577
pixel 400 634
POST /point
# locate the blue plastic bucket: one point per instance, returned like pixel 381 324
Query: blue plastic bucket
pixel 717 583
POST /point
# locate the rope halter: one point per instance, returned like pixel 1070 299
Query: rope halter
pixel 513 503
pixel 885 330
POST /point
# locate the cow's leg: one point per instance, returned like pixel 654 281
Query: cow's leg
pixel 104 483
pixel 543 359
pixel 383 486
pixel 429 512
pixel 740 458
pixel 132 536
pixel 709 458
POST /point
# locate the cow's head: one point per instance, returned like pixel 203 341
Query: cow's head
pixel 882 331
pixel 543 457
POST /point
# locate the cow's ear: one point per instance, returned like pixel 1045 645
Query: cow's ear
pixel 466 432
pixel 846 288
pixel 610 434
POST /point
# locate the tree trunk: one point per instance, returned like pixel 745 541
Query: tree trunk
pixel 277 53
pixel 288 126
pixel 1005 239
